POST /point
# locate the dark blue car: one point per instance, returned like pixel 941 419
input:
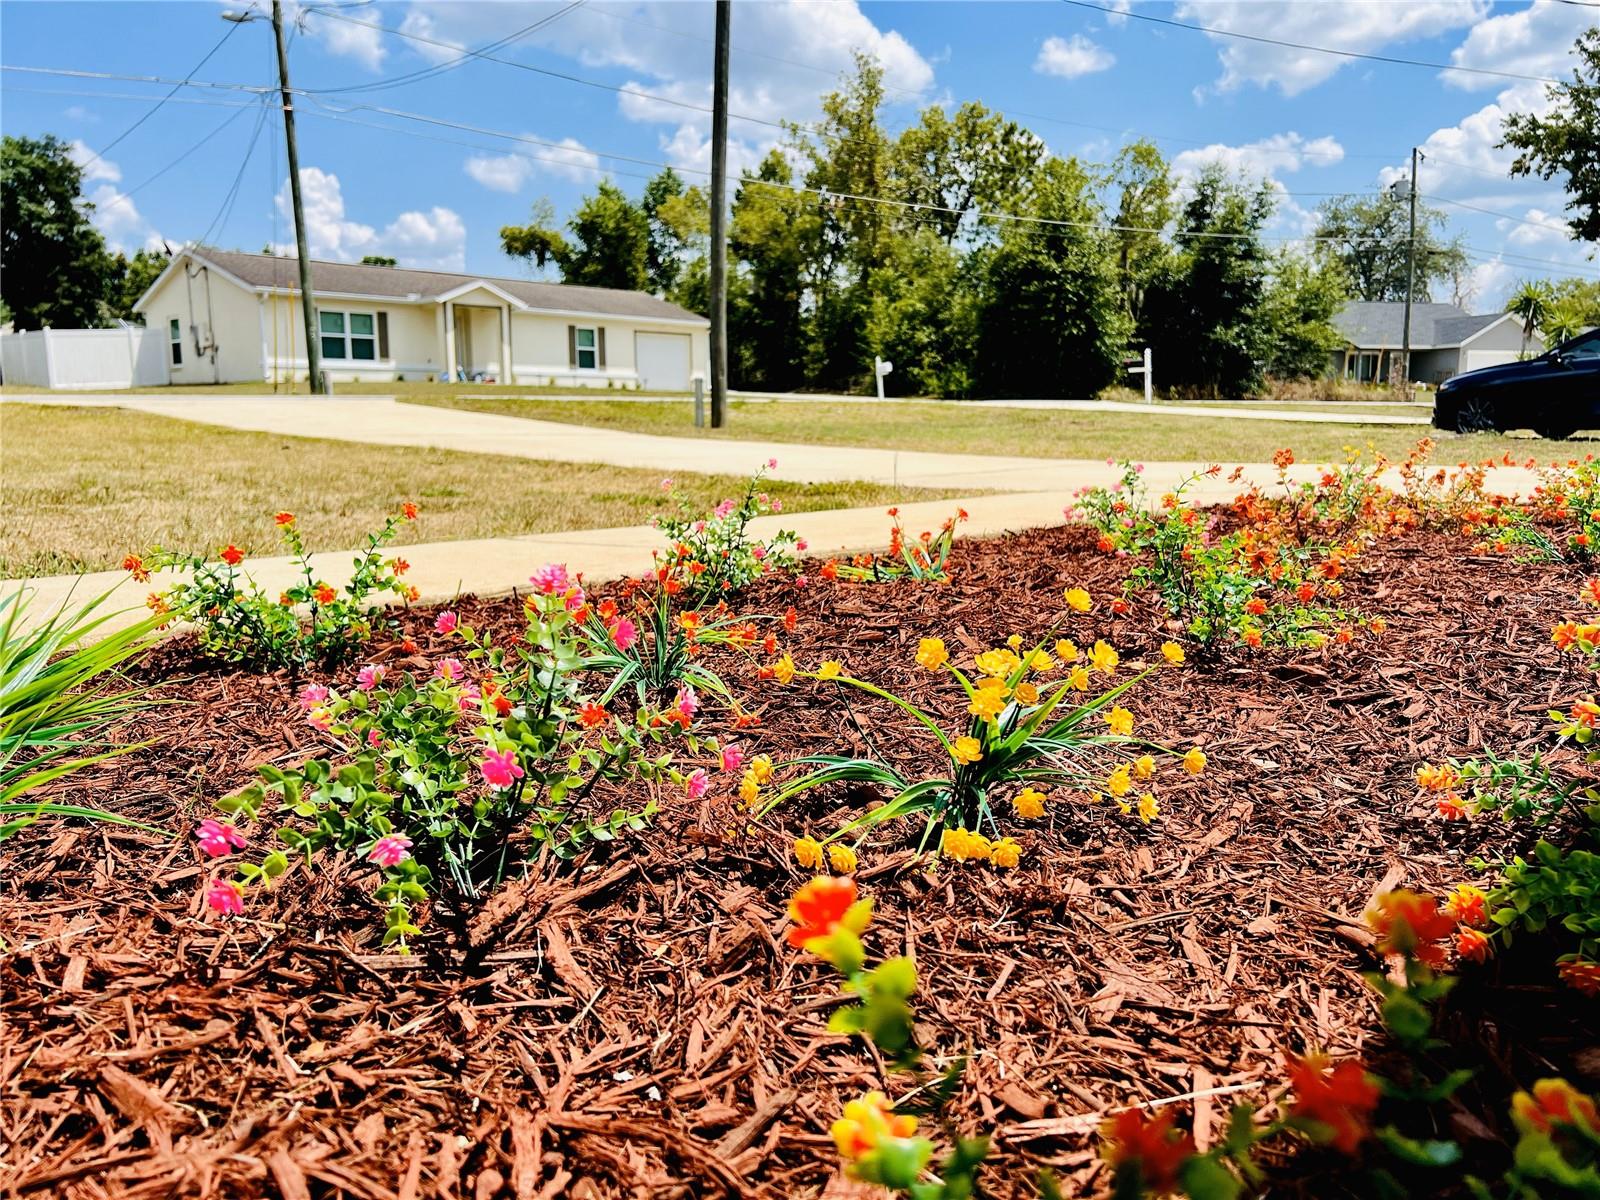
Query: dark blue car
pixel 1554 395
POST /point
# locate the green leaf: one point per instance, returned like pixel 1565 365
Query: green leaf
pixel 1205 1178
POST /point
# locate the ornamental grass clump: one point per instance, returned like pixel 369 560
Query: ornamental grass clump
pixel 435 779
pixel 1022 735
pixel 310 624
pixel 715 553
pixel 924 559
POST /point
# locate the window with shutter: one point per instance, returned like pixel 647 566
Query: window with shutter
pixel 383 335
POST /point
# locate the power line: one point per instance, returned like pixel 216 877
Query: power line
pixel 110 75
pixel 226 209
pixel 149 179
pixel 1490 212
pixel 200 100
pixel 1268 41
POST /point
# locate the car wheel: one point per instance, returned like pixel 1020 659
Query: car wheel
pixel 1474 414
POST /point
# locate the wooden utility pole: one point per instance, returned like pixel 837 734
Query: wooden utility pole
pixel 1411 279
pixel 719 225
pixel 308 306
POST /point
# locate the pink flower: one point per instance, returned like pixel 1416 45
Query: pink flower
pixel 800 581
pixel 624 633
pixel 219 838
pixel 445 622
pixel 449 669
pixel 391 850
pixel 469 699
pixel 697 783
pixel 369 677
pixel 723 509
pixel 772 464
pixel 732 757
pixel 224 897
pixel 688 703
pixel 550 578
pixel 321 718
pixel 666 484
pixel 800 545
pixel 500 768
pixel 758 552
pixel 374 738
pixel 312 695
pixel 574 599
pixel 699 526
pixel 777 506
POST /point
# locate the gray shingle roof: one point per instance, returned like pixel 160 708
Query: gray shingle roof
pixel 1370 324
pixel 401 283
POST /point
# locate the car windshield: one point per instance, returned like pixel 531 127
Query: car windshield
pixel 1585 345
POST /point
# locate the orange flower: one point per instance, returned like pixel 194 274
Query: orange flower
pixel 1584 713
pixel 1468 905
pixel 325 594
pixel 1472 944
pixel 284 519
pixel 1340 1101
pixel 1554 1102
pixel 823 906
pixel 1147 1145
pixel 399 566
pixel 1581 975
pixel 1443 778
pixel 232 555
pixel 790 619
pixel 1591 592
pixel 591 715
pixel 1252 637
pixel 408 510
pixel 1256 606
pixel 134 565
pixel 1411 924
pixel 1283 459
pixel 867 1122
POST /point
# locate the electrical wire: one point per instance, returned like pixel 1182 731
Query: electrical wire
pixel 148 180
pixel 117 78
pixel 220 221
pixel 1490 212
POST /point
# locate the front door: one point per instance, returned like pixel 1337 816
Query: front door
pixel 464 356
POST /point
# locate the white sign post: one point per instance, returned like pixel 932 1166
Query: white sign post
pixel 1149 386
pixel 881 367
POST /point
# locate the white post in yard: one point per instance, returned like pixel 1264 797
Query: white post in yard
pixel 49 359
pixel 506 365
pixel 1149 393
pixel 449 341
pixel 880 368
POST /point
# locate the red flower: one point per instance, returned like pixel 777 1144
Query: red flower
pixel 1581 975
pixel 1472 944
pixel 1411 924
pixel 790 619
pixel 232 555
pixel 399 566
pixel 284 519
pixel 1148 1145
pixel 592 715
pixel 819 908
pixel 408 510
pixel 1256 606
pixel 1555 1102
pixel 325 594
pixel 1341 1100
pixel 1283 459
pixel 1305 592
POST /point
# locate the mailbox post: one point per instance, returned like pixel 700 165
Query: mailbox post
pixel 880 368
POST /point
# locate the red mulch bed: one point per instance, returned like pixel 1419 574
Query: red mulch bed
pixel 638 1027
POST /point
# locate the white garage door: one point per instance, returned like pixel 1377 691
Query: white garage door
pixel 663 361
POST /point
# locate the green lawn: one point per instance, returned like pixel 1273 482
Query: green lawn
pixel 81 487
pixel 1039 432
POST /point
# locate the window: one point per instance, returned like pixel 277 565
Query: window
pixel 588 354
pixel 175 336
pixel 1585 346
pixel 348 335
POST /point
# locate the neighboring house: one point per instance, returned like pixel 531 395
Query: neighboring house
pixel 236 317
pixel 1445 340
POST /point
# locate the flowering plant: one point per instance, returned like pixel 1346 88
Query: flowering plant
pixel 925 559
pixel 714 552
pixel 441 772
pixel 238 622
pixel 1018 737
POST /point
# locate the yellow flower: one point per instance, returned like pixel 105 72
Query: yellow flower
pixel 749 788
pixel 931 653
pixel 1005 853
pixel 966 750
pixel 978 846
pixel 1144 766
pixel 1078 679
pixel 761 768
pixel 1029 803
pixel 1041 661
pixel 990 684
pixel 1173 653
pixel 953 842
pixel 1067 650
pixel 1015 641
pixel 842 858
pixel 1104 659
pixel 830 670
pixel 1195 761
pixel 1026 693
pixel 867 1122
pixel 1120 782
pixel 808 853
pixel 1120 721
pixel 998 662
pixel 1149 810
pixel 988 703
pixel 1077 599
pixel 783 670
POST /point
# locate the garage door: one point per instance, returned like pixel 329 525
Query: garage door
pixel 663 361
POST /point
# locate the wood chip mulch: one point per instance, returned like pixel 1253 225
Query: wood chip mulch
pixel 638 1027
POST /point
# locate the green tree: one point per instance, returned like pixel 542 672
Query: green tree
pixel 769 232
pixel 957 165
pixel 1367 236
pixel 539 241
pixel 1529 300
pixel 131 278
pixel 1566 141
pixel 609 237
pixel 1141 183
pixel 664 244
pixel 56 266
pixel 379 260
pixel 1573 306
pixel 1297 313
pixel 923 316
pixel 685 223
pixel 1052 320
pixel 1203 313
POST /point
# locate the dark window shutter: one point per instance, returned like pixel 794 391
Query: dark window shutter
pixel 600 342
pixel 572 345
pixel 383 335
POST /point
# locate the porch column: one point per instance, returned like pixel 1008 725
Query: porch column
pixel 505 344
pixel 450 341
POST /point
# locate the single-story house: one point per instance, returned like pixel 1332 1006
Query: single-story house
pixel 237 317
pixel 1445 340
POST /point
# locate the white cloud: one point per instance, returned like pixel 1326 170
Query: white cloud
pixel 351 34
pixel 94 169
pixel 77 112
pixel 1537 228
pixel 119 219
pixel 1532 41
pixel 1120 10
pixel 1280 152
pixel 435 239
pixel 1072 57
pixel 1460 157
pixel 508 172
pixel 1355 25
pixel 1490 283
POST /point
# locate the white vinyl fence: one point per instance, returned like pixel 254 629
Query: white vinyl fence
pixel 85 359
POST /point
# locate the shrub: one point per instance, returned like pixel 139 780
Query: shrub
pixel 237 622
pixel 714 553
pixel 440 773
pixel 925 559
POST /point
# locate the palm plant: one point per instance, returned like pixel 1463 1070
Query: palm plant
pixel 1530 301
pixel 54 702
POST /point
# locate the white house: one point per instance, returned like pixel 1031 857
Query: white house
pixel 236 317
pixel 1445 340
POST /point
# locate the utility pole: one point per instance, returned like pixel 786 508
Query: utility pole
pixel 1411 278
pixel 719 227
pixel 308 308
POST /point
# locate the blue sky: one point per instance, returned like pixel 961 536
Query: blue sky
pixel 1085 81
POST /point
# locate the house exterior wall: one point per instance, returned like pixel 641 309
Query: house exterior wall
pixel 1435 366
pixel 227 327
pixel 539 344
pixel 1499 344
pixel 414 348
